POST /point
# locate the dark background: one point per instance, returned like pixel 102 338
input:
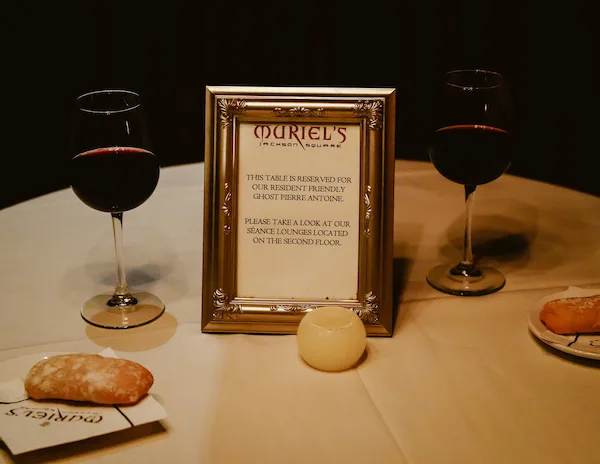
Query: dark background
pixel 170 51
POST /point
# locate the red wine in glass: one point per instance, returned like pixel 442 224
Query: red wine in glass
pixel 113 169
pixel 471 145
pixel 114 179
pixel 471 154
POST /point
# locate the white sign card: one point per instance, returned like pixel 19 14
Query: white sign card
pixel 298 203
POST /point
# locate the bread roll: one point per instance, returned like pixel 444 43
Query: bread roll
pixel 88 377
pixel 573 315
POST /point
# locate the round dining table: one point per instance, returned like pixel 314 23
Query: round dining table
pixel 461 379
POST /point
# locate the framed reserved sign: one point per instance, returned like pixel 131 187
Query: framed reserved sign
pixel 298 207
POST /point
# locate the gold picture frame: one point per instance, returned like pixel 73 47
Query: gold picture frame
pixel 298 206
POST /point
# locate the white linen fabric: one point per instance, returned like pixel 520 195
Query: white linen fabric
pixel 461 380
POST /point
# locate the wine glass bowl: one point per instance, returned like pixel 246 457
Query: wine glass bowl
pixel 471 145
pixel 113 169
pixel 114 179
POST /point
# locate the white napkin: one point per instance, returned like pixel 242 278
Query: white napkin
pixel 27 425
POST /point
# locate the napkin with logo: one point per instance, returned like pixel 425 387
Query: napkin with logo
pixel 27 425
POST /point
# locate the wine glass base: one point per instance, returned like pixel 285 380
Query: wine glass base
pixel 97 312
pixel 489 281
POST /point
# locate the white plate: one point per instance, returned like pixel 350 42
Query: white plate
pixel 583 345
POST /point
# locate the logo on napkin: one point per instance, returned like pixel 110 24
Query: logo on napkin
pixel 27 425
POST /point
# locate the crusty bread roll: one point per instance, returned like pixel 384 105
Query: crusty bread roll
pixel 88 377
pixel 573 315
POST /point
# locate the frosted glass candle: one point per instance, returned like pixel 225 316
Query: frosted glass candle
pixel 331 338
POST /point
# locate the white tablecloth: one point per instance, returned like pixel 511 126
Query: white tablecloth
pixel 461 380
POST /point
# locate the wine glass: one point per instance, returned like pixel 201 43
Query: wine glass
pixel 113 170
pixel 471 145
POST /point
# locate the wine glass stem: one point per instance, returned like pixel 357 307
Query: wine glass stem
pixel 466 267
pixel 122 296
pixel 468 246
